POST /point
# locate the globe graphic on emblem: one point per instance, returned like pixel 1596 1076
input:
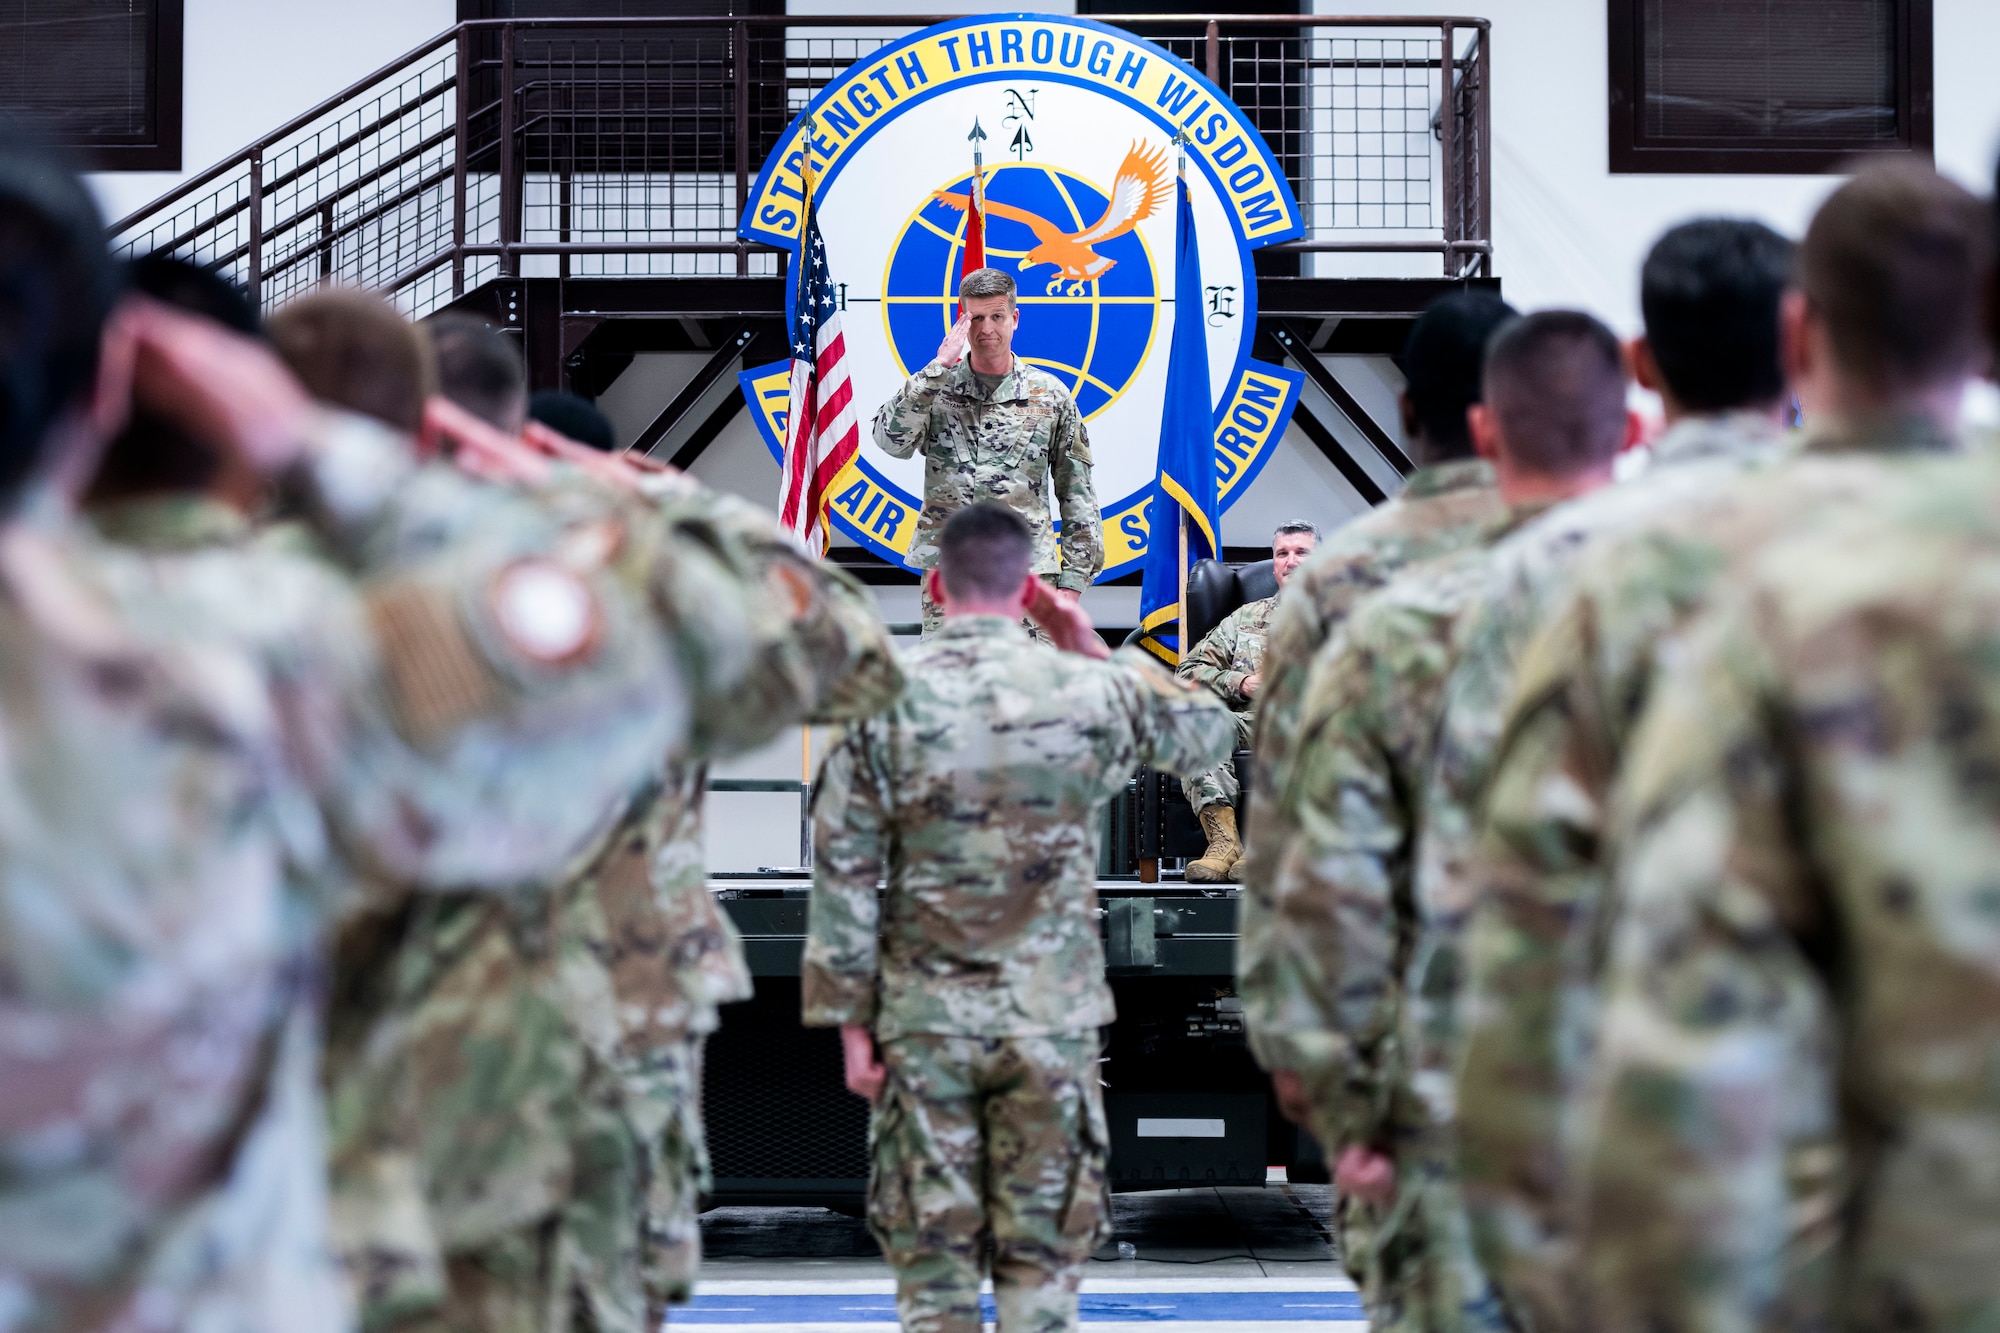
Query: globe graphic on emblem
pixel 1093 336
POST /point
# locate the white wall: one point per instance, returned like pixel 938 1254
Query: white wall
pixel 252 65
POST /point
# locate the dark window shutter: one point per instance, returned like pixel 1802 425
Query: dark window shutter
pixel 1778 85
pixel 100 76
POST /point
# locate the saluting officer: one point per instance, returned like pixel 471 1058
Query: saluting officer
pixel 993 428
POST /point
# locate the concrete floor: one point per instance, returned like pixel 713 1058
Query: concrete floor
pixel 1212 1260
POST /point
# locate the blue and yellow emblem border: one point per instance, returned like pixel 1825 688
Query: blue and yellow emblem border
pixel 1256 197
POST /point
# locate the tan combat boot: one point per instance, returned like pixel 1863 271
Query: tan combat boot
pixel 1215 865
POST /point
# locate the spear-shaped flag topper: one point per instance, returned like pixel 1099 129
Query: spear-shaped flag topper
pixel 975 216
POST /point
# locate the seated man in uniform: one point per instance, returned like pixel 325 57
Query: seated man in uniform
pixel 1228 661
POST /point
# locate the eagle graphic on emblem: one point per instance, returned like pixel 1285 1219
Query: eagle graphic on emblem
pixel 1138 191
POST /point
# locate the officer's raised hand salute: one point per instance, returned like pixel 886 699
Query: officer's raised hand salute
pixel 992 427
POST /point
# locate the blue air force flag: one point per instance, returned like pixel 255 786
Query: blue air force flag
pixel 1185 481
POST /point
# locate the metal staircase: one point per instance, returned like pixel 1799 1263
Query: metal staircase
pixel 580 180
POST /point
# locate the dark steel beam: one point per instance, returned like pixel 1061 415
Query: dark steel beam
pixel 1298 346
pixel 719 363
pixel 542 333
pixel 1282 298
pixel 1336 453
pixel 704 434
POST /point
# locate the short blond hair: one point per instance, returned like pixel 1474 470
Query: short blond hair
pixel 354 350
pixel 985 282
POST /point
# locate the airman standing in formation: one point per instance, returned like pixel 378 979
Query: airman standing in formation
pixel 342 724
pixel 647 956
pixel 1448 503
pixel 992 427
pixel 970 993
pixel 1709 290
pixel 1229 660
pixel 1551 421
pixel 1879 336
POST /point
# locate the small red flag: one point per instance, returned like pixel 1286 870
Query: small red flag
pixel 975 226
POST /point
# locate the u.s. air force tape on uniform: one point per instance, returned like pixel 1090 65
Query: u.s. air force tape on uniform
pixel 440 670
pixel 435 677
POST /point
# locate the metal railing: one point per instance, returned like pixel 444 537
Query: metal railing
pixel 626 146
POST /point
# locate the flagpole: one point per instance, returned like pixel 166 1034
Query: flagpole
pixel 1181 624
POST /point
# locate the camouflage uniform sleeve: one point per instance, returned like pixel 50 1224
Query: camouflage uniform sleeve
pixel 1534 862
pixel 1212 663
pixel 852 656
pixel 347 485
pixel 747 618
pixel 1076 501
pixel 1180 729
pixel 847 660
pixel 850 850
pixel 1317 989
pixel 1714 1082
pixel 1270 826
pixel 903 424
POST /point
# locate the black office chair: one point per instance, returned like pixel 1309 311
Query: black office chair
pixel 1215 589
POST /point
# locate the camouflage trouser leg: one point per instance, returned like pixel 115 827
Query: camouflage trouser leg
pixel 512 1284
pixel 934 614
pixel 989 1137
pixel 665 1093
pixel 1218 786
pixel 601 1243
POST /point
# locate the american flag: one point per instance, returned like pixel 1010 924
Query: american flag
pixel 822 434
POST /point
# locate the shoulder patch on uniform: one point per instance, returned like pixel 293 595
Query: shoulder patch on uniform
pixel 546 612
pixel 434 675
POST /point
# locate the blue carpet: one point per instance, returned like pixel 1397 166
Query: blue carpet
pixel 1133 1307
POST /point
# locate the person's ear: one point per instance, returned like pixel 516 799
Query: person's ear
pixel 1795 350
pixel 1484 428
pixel 1407 410
pixel 934 585
pixel 1640 365
pixel 1635 431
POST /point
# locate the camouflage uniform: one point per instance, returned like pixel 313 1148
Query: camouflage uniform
pixel 1533 948
pixel 161 1165
pixel 1227 656
pixel 997 446
pixel 462 1091
pixel 1792 1121
pixel 1441 509
pixel 1525 573
pixel 314 734
pixel 1330 1002
pixel 981 971
pixel 645 956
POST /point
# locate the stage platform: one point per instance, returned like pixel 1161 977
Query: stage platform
pixel 1206 1260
